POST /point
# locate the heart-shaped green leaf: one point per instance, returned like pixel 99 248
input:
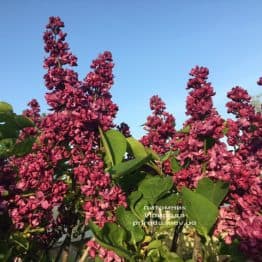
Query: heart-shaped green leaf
pixel 129 221
pixel 24 147
pixel 114 144
pixel 128 167
pixel 154 188
pixel 5 107
pixel 138 150
pixel 199 209
pixel 214 191
pixel 23 121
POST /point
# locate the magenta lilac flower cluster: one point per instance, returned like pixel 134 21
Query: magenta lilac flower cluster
pixel 160 129
pixel 63 183
pixel 160 126
pixel 201 152
pixel 66 156
pixel 242 218
pixel 202 129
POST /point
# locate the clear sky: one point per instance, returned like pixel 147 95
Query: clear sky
pixel 154 44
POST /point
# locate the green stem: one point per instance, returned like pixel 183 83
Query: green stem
pixel 155 168
pixel 177 231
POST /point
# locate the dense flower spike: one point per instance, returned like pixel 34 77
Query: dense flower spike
pixel 204 126
pixel 61 81
pixel 241 168
pixel 202 153
pixel 160 127
pixel 88 105
pixel 245 201
pixel 34 111
pixel 66 156
pixel 96 85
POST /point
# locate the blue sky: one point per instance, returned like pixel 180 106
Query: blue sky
pixel 154 45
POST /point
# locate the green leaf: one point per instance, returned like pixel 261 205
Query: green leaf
pixel 199 209
pixel 225 130
pixel 5 107
pixel 137 148
pixel 187 163
pixel 233 251
pixel 6 117
pixel 117 144
pixel 6 146
pixel 208 143
pixel 130 181
pixel 21 241
pixel 141 209
pixel 24 147
pixel 138 205
pixel 169 200
pixel 162 254
pixel 129 221
pixel 108 154
pixel 167 155
pixel 154 244
pixel 23 121
pixel 185 129
pixel 155 187
pixel 153 256
pixel 8 130
pixel 133 198
pixel 175 165
pixel 155 156
pixel 97 231
pixel 213 191
pixel 128 167
pixel 98 259
pixel 114 233
pixel 170 257
pixel 5 252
